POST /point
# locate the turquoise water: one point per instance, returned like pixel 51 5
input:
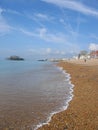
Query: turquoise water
pixel 8 67
pixel 29 92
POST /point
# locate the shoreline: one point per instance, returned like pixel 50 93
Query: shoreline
pixel 82 111
pixel 62 108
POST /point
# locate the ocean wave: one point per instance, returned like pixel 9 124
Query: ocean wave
pixel 66 104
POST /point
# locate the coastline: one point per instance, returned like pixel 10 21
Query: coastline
pixel 82 112
pixel 66 104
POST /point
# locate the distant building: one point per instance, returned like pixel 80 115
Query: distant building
pixel 83 55
pixel 75 57
pixel 87 56
pixel 94 54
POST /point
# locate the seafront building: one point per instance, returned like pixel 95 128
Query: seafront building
pixel 94 54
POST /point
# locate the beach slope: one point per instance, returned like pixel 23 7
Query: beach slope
pixel 82 113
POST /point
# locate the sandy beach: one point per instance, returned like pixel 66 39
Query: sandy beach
pixel 82 112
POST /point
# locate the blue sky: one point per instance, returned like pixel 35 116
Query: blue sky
pixel 52 28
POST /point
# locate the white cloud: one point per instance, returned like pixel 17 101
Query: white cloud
pixel 93 46
pixel 1 10
pixel 41 51
pixel 42 32
pixel 28 33
pixel 43 17
pixel 74 5
pixel 45 35
pixel 94 36
pixel 52 37
pixel 10 11
pixel 13 12
pixel 71 31
pixel 48 50
pixel 4 27
pixel 58 52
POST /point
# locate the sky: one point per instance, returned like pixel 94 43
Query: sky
pixel 48 28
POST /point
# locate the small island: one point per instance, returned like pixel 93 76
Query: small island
pixel 42 60
pixel 15 58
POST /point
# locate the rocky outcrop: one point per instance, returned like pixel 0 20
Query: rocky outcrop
pixel 15 58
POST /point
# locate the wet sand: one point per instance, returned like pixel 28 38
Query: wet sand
pixel 82 112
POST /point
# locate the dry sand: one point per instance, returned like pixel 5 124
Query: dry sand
pixel 82 113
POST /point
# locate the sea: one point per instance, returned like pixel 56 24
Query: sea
pixel 31 92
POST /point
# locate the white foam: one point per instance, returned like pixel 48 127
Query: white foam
pixel 63 108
